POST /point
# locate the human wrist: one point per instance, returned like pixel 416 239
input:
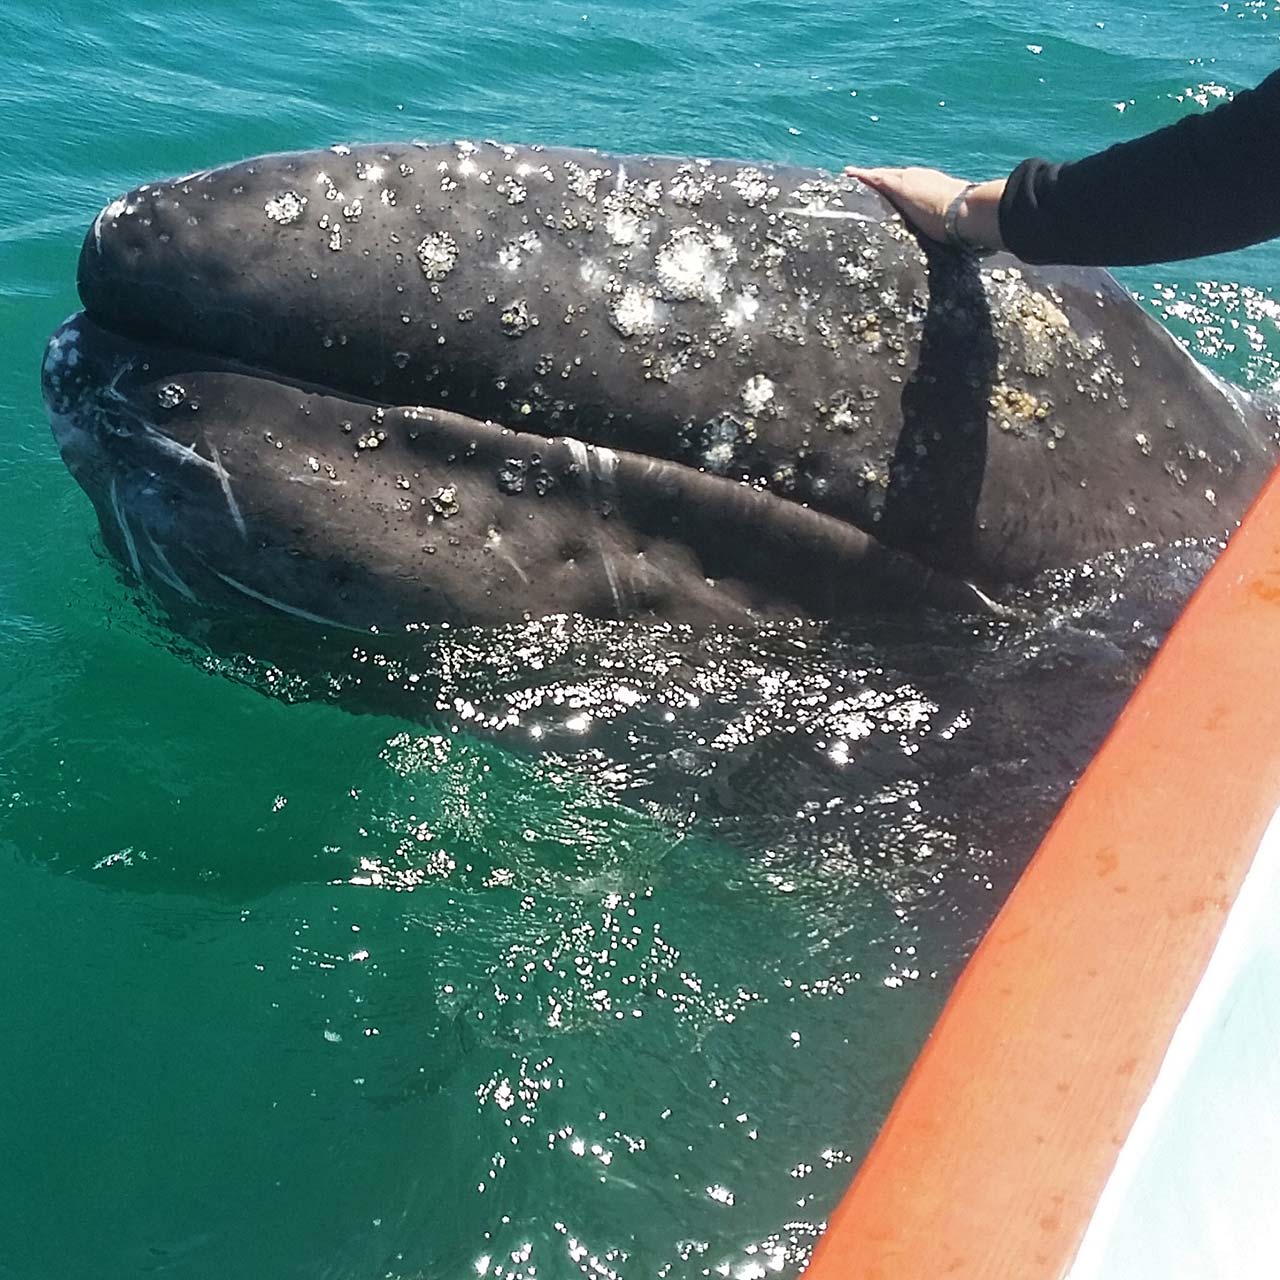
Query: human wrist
pixel 978 217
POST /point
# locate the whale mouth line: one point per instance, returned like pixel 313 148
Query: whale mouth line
pixel 251 428
pixel 107 402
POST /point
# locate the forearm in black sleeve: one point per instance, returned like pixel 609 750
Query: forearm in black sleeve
pixel 1209 183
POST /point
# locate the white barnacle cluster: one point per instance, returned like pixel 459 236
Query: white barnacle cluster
pixel 331 189
pixel 512 255
pixel 758 393
pixel 332 192
pixel 691 185
pixel 517 320
pixel 624 226
pixel 1034 319
pixel 582 182
pixel 628 210
pixel 286 208
pixel 790 328
pixel 171 395
pixel 741 309
pixel 634 312
pixel 437 255
pixel 369 172
pixel 444 502
pixel 526 170
pixel 844 412
pixel 466 166
pixel 753 187
pixel 818 194
pixel 720 442
pixel 1017 411
pixel 855 273
pixel 692 265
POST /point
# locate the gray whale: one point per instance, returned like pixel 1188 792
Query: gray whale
pixel 469 382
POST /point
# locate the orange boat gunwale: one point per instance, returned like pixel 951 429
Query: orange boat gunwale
pixel 994 1157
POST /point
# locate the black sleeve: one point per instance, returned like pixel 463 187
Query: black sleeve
pixel 1209 183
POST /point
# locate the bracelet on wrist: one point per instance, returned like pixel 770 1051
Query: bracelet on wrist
pixel 951 223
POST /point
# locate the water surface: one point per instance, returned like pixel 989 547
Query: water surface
pixel 309 969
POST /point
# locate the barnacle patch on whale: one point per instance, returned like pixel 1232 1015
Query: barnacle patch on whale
pixel 634 312
pixel 437 255
pixel 689 267
pixel 286 208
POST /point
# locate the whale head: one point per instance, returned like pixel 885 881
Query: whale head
pixel 473 383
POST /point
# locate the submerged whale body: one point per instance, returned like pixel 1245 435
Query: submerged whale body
pixel 379 385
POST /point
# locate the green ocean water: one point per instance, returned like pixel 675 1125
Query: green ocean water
pixel 294 992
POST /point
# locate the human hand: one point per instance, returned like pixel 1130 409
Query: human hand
pixel 923 196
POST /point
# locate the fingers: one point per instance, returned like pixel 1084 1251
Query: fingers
pixel 872 177
pixel 893 184
pixel 920 195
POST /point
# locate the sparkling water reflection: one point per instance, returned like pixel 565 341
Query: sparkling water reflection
pixel 642 924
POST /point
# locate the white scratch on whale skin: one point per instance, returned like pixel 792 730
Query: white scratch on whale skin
pixel 166 572
pixel 112 388
pixel 845 214
pixel 129 543
pixel 599 462
pixel 185 453
pixel 494 543
pixel 232 505
pixel 607 461
pixel 293 610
